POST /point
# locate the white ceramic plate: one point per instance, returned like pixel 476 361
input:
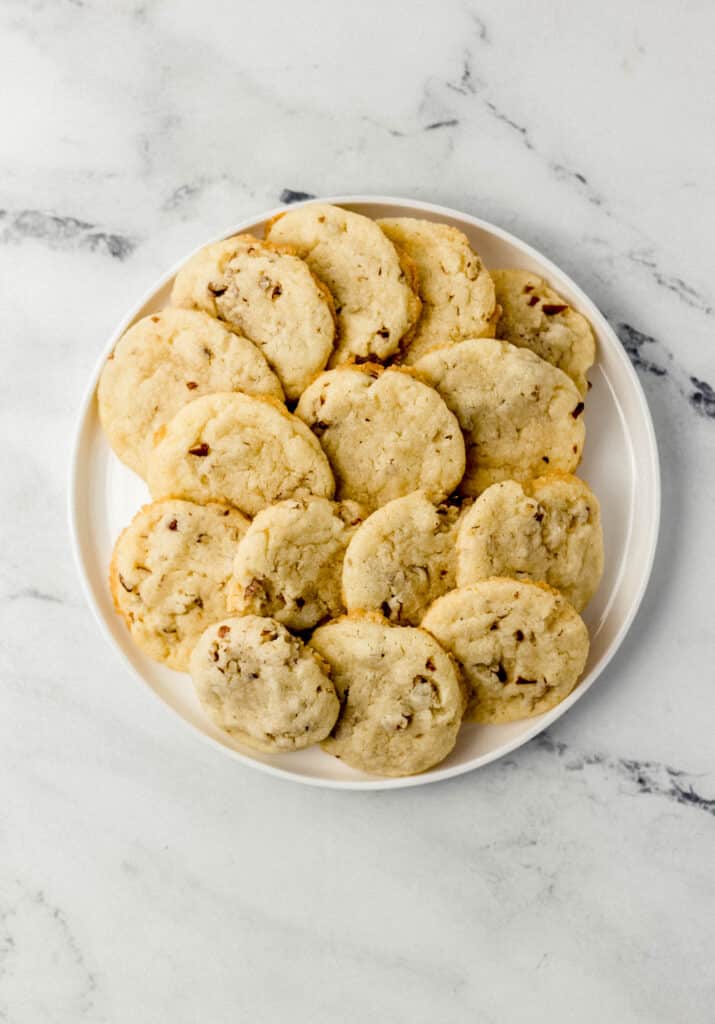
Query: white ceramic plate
pixel 620 463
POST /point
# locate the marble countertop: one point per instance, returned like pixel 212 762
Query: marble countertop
pixel 145 877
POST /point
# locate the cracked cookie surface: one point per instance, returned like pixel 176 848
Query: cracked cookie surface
pixel 401 695
pixel 164 361
pixel 169 574
pixel 262 685
pixel 385 433
pixel 371 282
pixel 520 645
pixel 401 558
pixel 269 294
pixel 520 415
pixel 534 316
pixel 546 529
pixel 289 562
pixel 456 290
pixel 248 452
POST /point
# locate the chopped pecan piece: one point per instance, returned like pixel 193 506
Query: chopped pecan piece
pixel 254 589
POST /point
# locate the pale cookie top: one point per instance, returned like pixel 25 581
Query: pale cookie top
pixel 375 302
pixel 169 573
pixel 269 294
pixel 520 415
pixel 164 361
pixel 402 558
pixel 455 287
pixel 262 685
pixel 289 563
pixel 249 452
pixel 521 646
pixel 385 433
pixel 401 696
pixel 536 317
pixel 547 529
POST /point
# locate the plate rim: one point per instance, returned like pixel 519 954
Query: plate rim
pixel 540 724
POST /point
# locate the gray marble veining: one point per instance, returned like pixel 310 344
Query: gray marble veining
pixel 144 877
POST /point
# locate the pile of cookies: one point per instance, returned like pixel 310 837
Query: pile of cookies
pixel 359 444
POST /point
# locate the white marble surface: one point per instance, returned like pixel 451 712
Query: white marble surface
pixel 145 877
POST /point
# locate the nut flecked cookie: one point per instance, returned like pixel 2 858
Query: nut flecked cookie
pixel 267 293
pixel 262 685
pixel 455 287
pixel 401 696
pixel 520 415
pixel 289 562
pixel 401 559
pixel 164 361
pixel 169 575
pixel 547 529
pixel 520 645
pixel 248 452
pixel 534 316
pixel 373 284
pixel 385 433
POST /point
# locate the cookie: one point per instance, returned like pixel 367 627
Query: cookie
pixel 269 294
pixel 289 563
pixel 371 282
pixel 547 529
pixel 169 575
pixel 401 558
pixel 262 685
pixel 401 696
pixel 164 361
pixel 520 645
pixel 385 433
pixel 534 316
pixel 248 452
pixel 520 415
pixel 456 290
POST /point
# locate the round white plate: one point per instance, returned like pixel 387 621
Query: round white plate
pixel 620 463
